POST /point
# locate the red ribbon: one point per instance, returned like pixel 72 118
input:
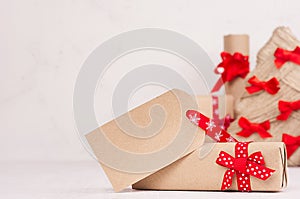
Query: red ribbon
pixel 209 126
pixel 232 66
pixel 282 56
pixel 292 143
pixel 271 86
pixel 243 166
pixel 249 128
pixel 286 109
pixel 224 123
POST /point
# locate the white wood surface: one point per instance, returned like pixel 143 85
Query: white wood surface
pixel 43 180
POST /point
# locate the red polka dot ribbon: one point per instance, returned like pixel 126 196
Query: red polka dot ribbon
pixel 243 166
pixel 209 126
pixel 224 123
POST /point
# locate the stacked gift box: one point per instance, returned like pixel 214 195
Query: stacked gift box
pixel 239 141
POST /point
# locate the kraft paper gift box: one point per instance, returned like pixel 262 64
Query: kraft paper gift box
pixel 199 170
pixel 151 136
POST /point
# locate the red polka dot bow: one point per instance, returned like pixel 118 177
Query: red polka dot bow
pixel 292 143
pixel 271 86
pixel 286 109
pixel 231 67
pixel 243 166
pixel 282 56
pixel 248 128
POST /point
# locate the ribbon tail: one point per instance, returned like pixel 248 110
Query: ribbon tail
pixel 217 86
pixel 264 134
pixel 243 181
pixel 227 179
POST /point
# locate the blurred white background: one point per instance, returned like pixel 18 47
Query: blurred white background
pixel 44 43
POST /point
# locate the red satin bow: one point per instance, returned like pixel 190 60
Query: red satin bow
pixel 286 109
pixel 209 126
pixel 282 56
pixel 232 66
pixel 271 86
pixel 249 128
pixel 292 143
pixel 243 166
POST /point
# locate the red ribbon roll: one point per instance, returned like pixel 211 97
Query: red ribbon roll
pixel 286 109
pixel 271 86
pixel 232 66
pixel 282 56
pixel 292 143
pixel 248 128
pixel 243 166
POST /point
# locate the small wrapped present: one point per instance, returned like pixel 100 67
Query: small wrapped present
pixel 234 66
pixel 153 135
pixel 269 109
pixel 257 166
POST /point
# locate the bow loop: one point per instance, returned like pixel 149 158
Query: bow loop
pixel 290 140
pixel 286 109
pixel 257 157
pixel 292 143
pixel 282 56
pixel 225 160
pixel 259 171
pixel 244 123
pixel 265 125
pixel 271 86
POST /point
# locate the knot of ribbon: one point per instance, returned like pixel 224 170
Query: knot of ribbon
pixel 286 109
pixel 232 66
pixel 248 128
pixel 243 166
pixel 224 123
pixel 282 56
pixel 214 131
pixel 292 143
pixel 271 86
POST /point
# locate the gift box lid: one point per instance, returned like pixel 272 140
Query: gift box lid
pixel 149 137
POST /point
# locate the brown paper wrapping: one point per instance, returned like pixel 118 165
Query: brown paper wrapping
pixel 236 43
pixel 142 116
pixel 262 106
pixel 194 172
